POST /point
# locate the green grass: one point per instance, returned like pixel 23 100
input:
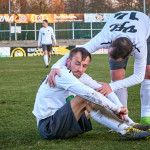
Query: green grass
pixel 19 81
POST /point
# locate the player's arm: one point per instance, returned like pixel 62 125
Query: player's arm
pixel 139 70
pixel 99 41
pixel 68 82
pixel 87 80
pixel 95 42
pixel 39 38
pixel 53 36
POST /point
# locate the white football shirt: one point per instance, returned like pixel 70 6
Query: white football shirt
pixel 49 99
pixel 131 24
pixel 46 35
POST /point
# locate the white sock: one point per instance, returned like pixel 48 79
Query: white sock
pixel 46 59
pixel 145 98
pixel 109 120
pixel 122 95
pixel 113 98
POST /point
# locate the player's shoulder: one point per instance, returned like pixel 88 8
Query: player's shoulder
pixel 42 28
pixel 132 13
pixel 64 71
pixel 50 27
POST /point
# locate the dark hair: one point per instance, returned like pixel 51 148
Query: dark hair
pixel 122 47
pixel 45 21
pixel 84 53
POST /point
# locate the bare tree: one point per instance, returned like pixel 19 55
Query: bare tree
pixel 72 6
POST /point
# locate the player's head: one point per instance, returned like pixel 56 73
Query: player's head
pixel 120 48
pixel 45 23
pixel 78 61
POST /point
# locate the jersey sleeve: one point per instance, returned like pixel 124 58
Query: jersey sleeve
pixel 139 70
pixel 87 80
pixel 40 38
pixel 69 82
pixel 61 62
pixel 101 40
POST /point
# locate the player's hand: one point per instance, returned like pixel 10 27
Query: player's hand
pixel 122 113
pixel 105 89
pixel 51 78
pixel 102 83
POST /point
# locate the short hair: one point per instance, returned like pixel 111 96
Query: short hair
pixel 45 21
pixel 122 47
pixel 84 53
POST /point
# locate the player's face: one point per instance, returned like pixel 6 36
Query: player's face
pixel 77 65
pixel 44 24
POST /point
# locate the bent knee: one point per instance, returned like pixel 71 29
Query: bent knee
pixel 117 74
pixel 147 73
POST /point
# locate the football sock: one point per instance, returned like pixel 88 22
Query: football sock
pixel 145 101
pixel 122 95
pixel 46 59
pixel 114 99
pixel 109 120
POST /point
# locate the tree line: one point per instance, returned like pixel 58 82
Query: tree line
pixel 71 6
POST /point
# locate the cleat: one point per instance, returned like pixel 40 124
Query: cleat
pixel 142 127
pixel 47 66
pixel 145 120
pixel 135 134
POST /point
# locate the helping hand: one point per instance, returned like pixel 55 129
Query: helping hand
pixel 51 78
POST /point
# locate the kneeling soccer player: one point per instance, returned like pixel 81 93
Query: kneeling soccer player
pixel 58 119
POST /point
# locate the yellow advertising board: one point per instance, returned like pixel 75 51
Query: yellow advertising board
pixel 38 18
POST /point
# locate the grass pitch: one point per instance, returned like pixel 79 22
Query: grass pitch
pixel 19 81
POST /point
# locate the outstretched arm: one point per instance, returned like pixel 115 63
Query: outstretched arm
pixel 68 82
pixel 136 78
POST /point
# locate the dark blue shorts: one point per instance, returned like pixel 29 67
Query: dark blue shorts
pixel 63 124
pixel 47 47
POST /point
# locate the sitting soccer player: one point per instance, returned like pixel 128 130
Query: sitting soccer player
pixel 57 118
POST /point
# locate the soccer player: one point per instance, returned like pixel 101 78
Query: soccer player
pixel 46 35
pixel 58 119
pixel 126 33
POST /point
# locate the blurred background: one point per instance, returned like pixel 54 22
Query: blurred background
pixel 63 30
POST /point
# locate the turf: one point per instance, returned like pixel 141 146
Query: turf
pixel 19 81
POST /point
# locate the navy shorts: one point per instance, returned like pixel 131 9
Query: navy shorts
pixel 114 65
pixel 148 51
pixel 63 124
pixel 47 47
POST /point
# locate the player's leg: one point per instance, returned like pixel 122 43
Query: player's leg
pixel 114 99
pixel 98 113
pixel 68 121
pixel 104 117
pixel 44 47
pixel 118 73
pixel 145 91
pixel 49 49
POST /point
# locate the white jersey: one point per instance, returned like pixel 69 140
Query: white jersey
pixel 46 35
pixel 131 24
pixel 49 99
